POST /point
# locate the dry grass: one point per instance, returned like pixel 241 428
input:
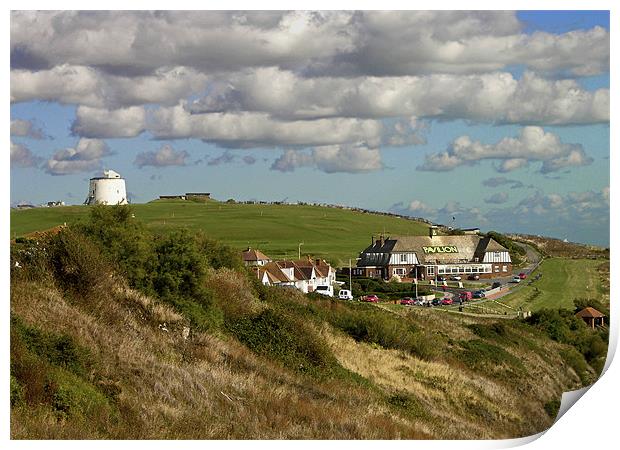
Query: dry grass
pixel 175 385
pixel 206 387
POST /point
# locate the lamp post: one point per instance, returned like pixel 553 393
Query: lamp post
pixel 350 276
pixel 299 250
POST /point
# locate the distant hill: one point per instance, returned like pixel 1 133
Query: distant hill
pixel 277 230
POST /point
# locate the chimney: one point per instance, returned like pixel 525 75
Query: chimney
pixel 381 240
pixel 432 231
pixel 317 262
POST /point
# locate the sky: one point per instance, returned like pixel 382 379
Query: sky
pixel 490 119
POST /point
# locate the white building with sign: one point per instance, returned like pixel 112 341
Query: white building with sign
pixel 428 257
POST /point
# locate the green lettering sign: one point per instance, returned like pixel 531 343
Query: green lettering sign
pixel 441 249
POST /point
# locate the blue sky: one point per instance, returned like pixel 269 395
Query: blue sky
pixel 498 119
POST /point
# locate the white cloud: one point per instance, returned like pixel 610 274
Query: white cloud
pixel 164 157
pixel 247 129
pixel 532 145
pixel 495 97
pixel 25 128
pixel 103 123
pixel 578 216
pixel 319 43
pixel 331 159
pixel 22 156
pixel 85 157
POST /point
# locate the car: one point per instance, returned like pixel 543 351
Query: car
pixel 436 302
pixel 418 302
pixel 478 294
pixel 441 278
pixel 325 290
pixel 345 294
pixel 496 285
pixel 523 275
pixel 516 279
pixel 407 301
pixel 446 301
pixel 372 298
pixel 455 278
pixel 466 295
pixel 473 277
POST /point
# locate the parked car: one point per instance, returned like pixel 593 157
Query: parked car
pixel 436 302
pixel 418 302
pixel 516 279
pixel 478 294
pixel 466 295
pixel 325 290
pixel 496 285
pixel 446 301
pixel 523 275
pixel 407 301
pixel 473 277
pixel 455 278
pixel 372 298
pixel 345 294
pixel 441 278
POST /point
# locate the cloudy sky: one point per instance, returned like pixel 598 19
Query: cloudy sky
pixel 493 119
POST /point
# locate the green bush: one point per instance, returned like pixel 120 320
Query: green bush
pixel 17 392
pixel 286 339
pixel 76 263
pixel 480 355
pixel 57 349
pixel 578 363
pixel 552 407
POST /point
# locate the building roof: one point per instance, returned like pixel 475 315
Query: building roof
pixel 254 255
pixel 274 273
pixel 468 247
pixel 589 313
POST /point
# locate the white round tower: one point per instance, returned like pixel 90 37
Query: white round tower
pixel 107 190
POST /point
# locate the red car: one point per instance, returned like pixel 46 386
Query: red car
pixel 372 298
pixel 522 275
pixel 446 301
pixel 407 301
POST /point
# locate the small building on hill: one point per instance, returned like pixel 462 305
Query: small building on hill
pixel 252 257
pixel 427 257
pixel 593 317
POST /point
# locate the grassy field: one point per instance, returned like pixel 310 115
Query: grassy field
pixel 277 230
pixel 563 280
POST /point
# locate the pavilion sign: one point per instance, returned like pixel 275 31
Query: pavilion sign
pixel 441 249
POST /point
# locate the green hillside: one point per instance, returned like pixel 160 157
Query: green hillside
pixel 563 281
pixel 277 230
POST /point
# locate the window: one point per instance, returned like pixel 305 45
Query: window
pixel 455 270
pixel 442 270
pixel 430 271
pixel 496 268
pixel 403 258
pixel 505 269
pixel 467 269
pixel 399 271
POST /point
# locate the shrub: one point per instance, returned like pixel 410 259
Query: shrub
pixel 479 355
pixel 286 339
pixel 552 407
pixel 76 263
pixel 577 362
pixel 17 392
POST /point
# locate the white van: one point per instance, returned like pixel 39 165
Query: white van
pixel 345 294
pixel 325 290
